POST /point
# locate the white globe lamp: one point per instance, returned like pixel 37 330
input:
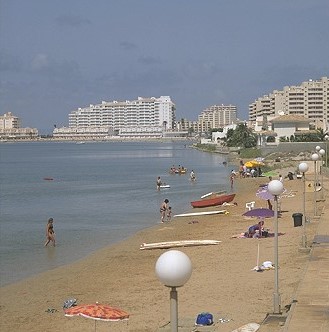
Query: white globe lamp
pixel 315 157
pixel 275 187
pixel 173 268
pixel 303 167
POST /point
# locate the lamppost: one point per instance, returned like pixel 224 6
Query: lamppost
pixel 174 269
pixel 315 158
pixel 322 152
pixel 317 149
pixel 275 187
pixel 326 139
pixel 303 167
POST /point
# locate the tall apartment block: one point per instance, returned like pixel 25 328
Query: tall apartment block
pixel 310 100
pixel 144 117
pixel 216 116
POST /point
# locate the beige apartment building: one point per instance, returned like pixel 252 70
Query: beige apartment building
pixel 310 100
pixel 10 128
pixel 217 116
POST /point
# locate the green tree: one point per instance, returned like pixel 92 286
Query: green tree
pixel 241 136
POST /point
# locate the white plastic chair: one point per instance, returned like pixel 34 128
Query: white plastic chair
pixel 250 205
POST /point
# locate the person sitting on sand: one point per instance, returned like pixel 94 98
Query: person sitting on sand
pixel 255 230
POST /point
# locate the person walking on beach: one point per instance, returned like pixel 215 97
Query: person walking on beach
pixel 50 233
pixel 163 209
pixel 159 182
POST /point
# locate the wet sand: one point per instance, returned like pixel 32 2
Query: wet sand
pixel 222 280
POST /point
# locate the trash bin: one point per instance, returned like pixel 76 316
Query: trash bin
pixel 298 219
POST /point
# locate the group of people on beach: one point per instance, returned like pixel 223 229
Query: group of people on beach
pixel 245 172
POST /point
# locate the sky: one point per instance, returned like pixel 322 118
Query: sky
pixel 56 56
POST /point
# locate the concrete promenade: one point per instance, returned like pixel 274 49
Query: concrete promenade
pixel 310 310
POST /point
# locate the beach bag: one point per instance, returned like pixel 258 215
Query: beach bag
pixel 205 318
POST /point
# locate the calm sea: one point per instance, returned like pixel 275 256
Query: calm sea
pixel 101 193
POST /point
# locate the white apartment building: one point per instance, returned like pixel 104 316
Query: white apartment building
pixel 217 116
pixel 144 117
pixel 10 128
pixel 9 121
pixel 310 100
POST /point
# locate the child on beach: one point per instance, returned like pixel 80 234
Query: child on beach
pixel 169 213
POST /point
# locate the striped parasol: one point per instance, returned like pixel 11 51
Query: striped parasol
pixel 98 312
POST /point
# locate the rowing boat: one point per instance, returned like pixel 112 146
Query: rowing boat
pixel 213 201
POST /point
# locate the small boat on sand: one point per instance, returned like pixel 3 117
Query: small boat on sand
pixel 213 201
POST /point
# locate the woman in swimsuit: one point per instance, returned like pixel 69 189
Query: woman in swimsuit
pixel 50 233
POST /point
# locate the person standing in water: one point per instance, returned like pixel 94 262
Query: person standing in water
pixel 159 183
pixel 50 233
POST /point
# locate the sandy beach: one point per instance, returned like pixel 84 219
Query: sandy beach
pixel 223 281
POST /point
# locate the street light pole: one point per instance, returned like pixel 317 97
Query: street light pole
pixel 303 167
pixel 174 269
pixel 315 157
pixel 275 187
pixel 322 152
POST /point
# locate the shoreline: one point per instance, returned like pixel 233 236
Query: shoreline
pixel 122 275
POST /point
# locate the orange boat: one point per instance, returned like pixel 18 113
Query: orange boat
pixel 213 201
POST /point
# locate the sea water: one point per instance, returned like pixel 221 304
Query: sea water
pixel 101 193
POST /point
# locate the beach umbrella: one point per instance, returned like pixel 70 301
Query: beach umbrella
pixel 254 163
pixel 97 311
pixel 263 193
pixel 259 213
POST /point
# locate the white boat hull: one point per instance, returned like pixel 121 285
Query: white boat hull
pixel 206 213
pixel 183 243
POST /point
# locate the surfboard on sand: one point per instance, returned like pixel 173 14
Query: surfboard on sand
pixel 250 327
pixel 205 213
pixel 182 243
